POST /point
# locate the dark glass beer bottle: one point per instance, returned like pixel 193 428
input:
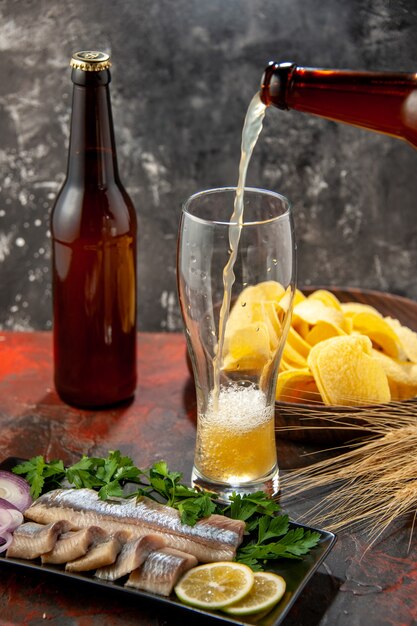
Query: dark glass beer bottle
pixel 381 101
pixel 93 228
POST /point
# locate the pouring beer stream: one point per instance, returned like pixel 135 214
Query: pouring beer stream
pixel 252 128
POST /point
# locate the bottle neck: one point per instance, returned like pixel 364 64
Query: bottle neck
pixel 92 152
pixel 379 101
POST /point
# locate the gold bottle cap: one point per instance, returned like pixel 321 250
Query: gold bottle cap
pixel 90 61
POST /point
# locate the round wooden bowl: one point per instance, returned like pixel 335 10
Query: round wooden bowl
pixel 336 424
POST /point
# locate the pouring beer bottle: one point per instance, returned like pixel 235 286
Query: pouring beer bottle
pixel 381 101
pixel 93 228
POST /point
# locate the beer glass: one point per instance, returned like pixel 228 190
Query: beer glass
pixel 236 282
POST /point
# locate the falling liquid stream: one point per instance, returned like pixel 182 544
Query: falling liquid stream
pixel 251 130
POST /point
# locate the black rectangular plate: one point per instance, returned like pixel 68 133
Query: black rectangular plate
pixel 296 574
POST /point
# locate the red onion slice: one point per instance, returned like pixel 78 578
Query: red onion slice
pixel 17 519
pixel 15 489
pixel 5 504
pixel 5 541
pixel 6 521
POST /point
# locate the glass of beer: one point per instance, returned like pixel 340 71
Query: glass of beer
pixel 236 282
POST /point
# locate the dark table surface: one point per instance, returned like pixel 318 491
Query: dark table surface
pixel 354 586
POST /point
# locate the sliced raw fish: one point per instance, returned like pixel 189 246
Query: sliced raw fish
pixel 161 571
pixel 73 544
pixel 101 553
pixel 132 555
pixel 214 538
pixel 31 540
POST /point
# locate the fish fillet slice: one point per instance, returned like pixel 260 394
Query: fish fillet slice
pixel 100 554
pixel 73 544
pixel 161 571
pixel 215 538
pixel 31 540
pixel 131 556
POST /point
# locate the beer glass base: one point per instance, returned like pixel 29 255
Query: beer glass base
pixel 269 484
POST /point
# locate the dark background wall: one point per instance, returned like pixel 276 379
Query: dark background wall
pixel 184 72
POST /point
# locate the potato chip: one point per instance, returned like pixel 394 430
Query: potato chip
pixel 314 368
pixel 291 358
pixel 241 314
pixel 300 326
pixel 253 329
pixel 402 376
pixel 346 372
pixel 248 308
pixel 378 330
pixel 326 297
pixel 247 348
pixel 298 297
pixel 267 290
pixel 265 313
pixel 310 312
pixel 297 342
pixel 321 331
pixel 297 385
pixel 284 303
pixel 271 309
pixel 406 337
pixel 352 308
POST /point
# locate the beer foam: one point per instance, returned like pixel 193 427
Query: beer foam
pixel 238 408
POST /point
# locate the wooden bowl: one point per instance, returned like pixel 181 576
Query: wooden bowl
pixel 336 424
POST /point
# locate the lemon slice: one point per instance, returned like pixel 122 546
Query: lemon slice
pixel 215 585
pixel 267 590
